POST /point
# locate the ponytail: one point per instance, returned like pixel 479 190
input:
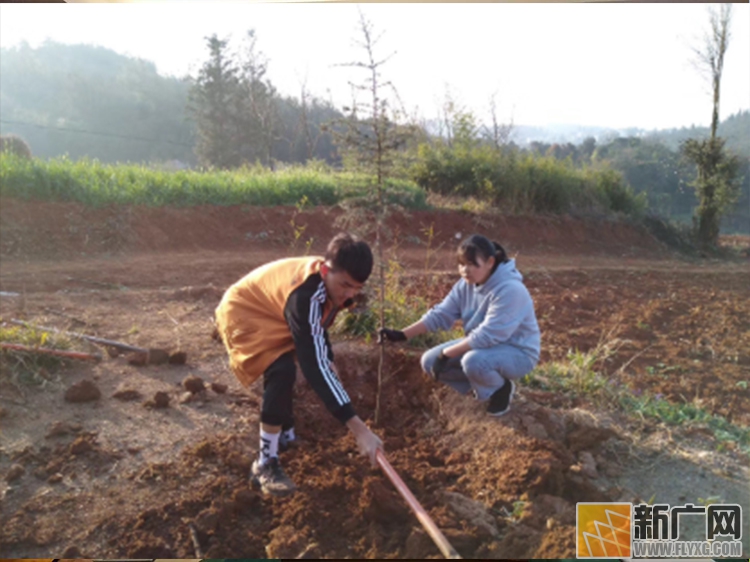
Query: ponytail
pixel 477 245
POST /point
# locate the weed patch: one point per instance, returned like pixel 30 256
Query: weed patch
pixel 26 368
pixel 580 377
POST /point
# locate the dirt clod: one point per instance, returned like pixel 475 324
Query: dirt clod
pixel 588 465
pixel 14 473
pixel 138 358
pixel 71 553
pixel 219 388
pixel 207 521
pixel 193 384
pixel 157 357
pixel 82 444
pixel 473 512
pixel 178 358
pixel 127 394
pixel 83 391
pixel 204 450
pixel 55 478
pixel 160 400
pixel 537 513
pixel 585 431
pixel 58 428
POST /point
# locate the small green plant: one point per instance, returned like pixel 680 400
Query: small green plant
pixel 742 385
pixel 308 245
pixel 580 374
pixel 298 229
pixel 518 507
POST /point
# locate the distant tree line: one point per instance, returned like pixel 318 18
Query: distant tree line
pixel 87 101
pixel 83 100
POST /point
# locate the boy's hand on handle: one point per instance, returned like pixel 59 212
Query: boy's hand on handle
pixel 386 334
pixel 367 442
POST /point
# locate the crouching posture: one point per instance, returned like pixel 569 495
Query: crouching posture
pixel 280 312
pixel 502 338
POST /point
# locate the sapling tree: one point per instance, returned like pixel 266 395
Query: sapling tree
pixel 368 139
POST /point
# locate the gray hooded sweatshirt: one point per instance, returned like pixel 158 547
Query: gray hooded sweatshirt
pixel 500 310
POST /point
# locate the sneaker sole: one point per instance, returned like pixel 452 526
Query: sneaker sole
pixel 266 492
pixel 510 401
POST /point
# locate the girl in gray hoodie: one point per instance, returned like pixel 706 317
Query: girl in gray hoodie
pixel 502 339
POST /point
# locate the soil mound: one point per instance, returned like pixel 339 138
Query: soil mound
pixel 35 229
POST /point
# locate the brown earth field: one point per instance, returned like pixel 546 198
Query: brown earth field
pixel 117 476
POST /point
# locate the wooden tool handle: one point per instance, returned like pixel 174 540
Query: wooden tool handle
pixel 437 536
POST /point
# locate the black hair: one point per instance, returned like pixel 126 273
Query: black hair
pixel 477 245
pixel 348 253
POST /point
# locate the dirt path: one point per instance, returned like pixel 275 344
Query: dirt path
pixel 116 478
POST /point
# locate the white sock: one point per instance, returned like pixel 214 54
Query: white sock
pixel 269 446
pixel 288 435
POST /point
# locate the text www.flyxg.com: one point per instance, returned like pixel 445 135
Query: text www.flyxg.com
pixel 687 549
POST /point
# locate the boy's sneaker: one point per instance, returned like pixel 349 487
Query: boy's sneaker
pixel 271 478
pixel 500 400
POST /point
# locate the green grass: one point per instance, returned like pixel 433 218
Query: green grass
pixel 95 184
pixel 579 377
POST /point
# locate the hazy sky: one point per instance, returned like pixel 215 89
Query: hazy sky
pixel 615 65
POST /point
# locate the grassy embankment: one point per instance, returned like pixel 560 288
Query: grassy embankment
pixel 96 184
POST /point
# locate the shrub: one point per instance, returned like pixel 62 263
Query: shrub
pixel 521 183
pixel 15 145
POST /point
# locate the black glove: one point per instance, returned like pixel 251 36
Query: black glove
pixel 385 334
pixel 439 365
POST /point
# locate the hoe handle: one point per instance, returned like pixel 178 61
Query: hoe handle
pixel 92 339
pixel 426 521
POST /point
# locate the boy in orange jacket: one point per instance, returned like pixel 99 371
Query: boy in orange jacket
pixel 280 312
